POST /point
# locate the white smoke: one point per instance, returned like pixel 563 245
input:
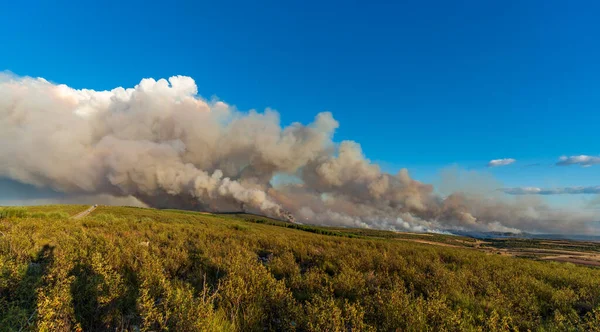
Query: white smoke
pixel 161 143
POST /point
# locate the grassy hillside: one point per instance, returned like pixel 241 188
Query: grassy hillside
pixel 143 269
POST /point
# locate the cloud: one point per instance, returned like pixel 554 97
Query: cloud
pixel 552 191
pixel 161 144
pixel 501 162
pixel 582 160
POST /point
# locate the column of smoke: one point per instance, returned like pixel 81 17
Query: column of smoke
pixel 162 144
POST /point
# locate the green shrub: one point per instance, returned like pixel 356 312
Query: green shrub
pixel 144 269
pixel 13 212
pixel 58 215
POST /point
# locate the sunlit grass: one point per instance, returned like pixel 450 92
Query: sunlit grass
pixel 132 268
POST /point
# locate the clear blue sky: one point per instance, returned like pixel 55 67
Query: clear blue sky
pixel 421 84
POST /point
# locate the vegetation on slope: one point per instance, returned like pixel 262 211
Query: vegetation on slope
pixel 132 268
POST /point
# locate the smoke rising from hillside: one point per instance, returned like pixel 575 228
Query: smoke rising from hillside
pixel 162 144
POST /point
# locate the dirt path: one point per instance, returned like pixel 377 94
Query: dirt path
pixel 85 213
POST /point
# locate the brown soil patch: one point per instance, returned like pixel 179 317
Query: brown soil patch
pixel 409 233
pixel 581 260
pixel 433 243
pixel 550 251
pixel 563 244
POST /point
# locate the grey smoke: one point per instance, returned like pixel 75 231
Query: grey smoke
pixel 162 144
pixel 16 193
pixel 594 203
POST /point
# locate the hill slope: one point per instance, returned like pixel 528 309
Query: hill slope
pixel 129 268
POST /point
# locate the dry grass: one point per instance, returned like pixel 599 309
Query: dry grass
pixel 144 269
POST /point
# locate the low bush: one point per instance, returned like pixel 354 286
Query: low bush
pixel 129 269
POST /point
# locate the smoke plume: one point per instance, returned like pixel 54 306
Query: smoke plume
pixel 162 144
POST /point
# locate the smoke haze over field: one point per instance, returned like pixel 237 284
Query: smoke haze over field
pixel 162 144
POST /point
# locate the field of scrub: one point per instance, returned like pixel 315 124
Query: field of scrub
pixel 130 269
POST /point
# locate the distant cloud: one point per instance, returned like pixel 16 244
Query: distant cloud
pixel 582 160
pixel 552 191
pixel 501 162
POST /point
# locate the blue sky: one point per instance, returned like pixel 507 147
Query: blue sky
pixel 424 85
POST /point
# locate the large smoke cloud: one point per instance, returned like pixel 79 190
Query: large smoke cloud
pixel 161 143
